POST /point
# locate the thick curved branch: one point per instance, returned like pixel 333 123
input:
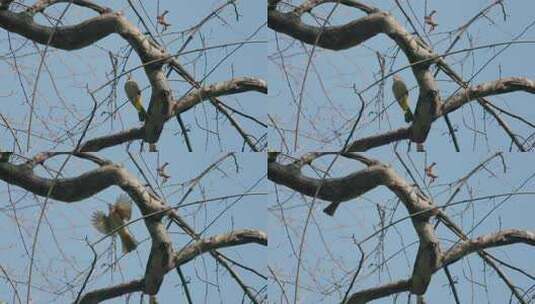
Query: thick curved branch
pixel 330 189
pixel 99 143
pixel 177 67
pixel 188 253
pixel 307 6
pixel 340 189
pixel 100 295
pixel 41 5
pixel 64 189
pixel 500 86
pixel 332 37
pixel 352 33
pixel 232 86
pixel 161 258
pixel 63 37
pixel 84 33
pixel 360 182
pixel 374 141
pixel 219 257
pixel 150 53
pixel 357 31
pixel 371 294
pixel 501 238
pixel 234 238
pixel 91 31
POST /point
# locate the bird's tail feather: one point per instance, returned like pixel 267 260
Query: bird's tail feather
pixel 408 116
pixel 329 210
pixel 139 107
pixel 127 241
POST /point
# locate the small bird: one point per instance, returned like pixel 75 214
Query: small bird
pixel 430 21
pixel 402 96
pixel 134 96
pixel 429 173
pixel 119 213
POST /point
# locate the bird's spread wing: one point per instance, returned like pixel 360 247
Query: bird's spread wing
pixel 101 222
pixel 123 207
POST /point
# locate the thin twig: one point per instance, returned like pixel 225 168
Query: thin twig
pixel 93 263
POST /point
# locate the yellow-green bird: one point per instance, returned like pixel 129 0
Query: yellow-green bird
pixel 118 214
pixel 402 96
pixel 134 96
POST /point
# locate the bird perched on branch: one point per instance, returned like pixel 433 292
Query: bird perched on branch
pixel 118 214
pixel 402 96
pixel 134 96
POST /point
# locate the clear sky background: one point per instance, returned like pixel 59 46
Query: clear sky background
pixel 62 102
pixel 62 255
pixel 330 107
pixel 329 110
pixel 331 257
pixel 91 67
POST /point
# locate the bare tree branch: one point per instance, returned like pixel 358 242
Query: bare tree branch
pixel 100 295
pixel 374 141
pixel 64 37
pixel 234 238
pixel 232 86
pixel 151 54
pixel 65 189
pixel 41 5
pixel 500 238
pixel 429 258
pixel 106 141
pixel 500 86
pixel 162 256
pixel 367 295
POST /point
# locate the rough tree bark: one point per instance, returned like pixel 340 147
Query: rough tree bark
pixel 430 257
pixel 163 257
pixel 430 104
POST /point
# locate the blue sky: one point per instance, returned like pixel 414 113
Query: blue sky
pixel 330 254
pixel 70 223
pixel 91 67
pixel 330 106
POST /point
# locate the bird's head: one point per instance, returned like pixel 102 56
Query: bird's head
pixel 397 77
